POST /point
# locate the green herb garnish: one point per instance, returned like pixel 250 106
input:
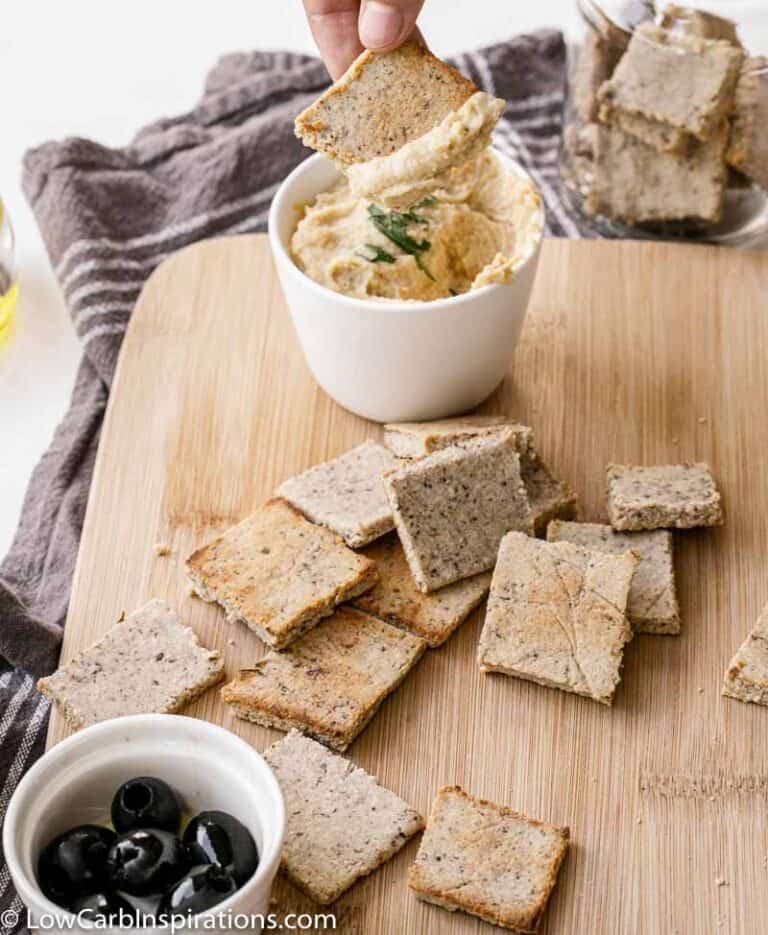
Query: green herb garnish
pixel 379 255
pixel 393 225
pixel 424 203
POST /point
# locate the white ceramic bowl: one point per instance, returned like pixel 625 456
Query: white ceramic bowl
pixel 209 768
pixel 397 361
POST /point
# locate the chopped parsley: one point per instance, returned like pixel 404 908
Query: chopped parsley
pixel 394 226
pixel 379 255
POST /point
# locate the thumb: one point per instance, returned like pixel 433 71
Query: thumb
pixel 386 24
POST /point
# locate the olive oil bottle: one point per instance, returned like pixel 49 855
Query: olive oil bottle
pixel 8 284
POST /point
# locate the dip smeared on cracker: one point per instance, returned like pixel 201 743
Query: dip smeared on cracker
pixel 424 211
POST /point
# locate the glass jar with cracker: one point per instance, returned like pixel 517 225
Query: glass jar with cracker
pixel 666 122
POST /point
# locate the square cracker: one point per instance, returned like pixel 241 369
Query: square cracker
pixel 557 616
pixel 549 497
pixel 747 676
pixel 679 496
pixel 652 605
pixel 684 82
pixel 346 494
pixel 634 183
pixel 381 102
pixel 341 824
pixel 417 439
pixel 397 600
pixel 453 507
pixel 149 663
pixel 329 683
pixel 487 860
pixel 278 573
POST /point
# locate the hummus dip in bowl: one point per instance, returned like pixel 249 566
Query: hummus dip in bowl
pixel 400 333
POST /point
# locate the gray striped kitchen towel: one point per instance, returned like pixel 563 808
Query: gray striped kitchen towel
pixel 108 217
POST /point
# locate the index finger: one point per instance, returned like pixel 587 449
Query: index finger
pixel 334 27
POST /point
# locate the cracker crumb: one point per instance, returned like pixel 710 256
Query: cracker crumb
pixel 232 642
pixel 719 881
pixel 701 691
pixel 161 549
pixel 121 617
pixel 638 821
pixel 191 592
pixel 702 420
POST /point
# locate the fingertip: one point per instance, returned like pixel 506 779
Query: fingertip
pixel 382 26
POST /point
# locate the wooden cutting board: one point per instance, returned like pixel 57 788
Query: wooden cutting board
pixel 631 352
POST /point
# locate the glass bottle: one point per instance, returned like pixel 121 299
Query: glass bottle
pixel 8 282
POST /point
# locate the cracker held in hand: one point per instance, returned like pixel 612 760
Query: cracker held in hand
pixel 747 676
pixel 149 663
pixel 652 606
pixel 679 496
pixel 488 860
pixel 383 101
pixel 346 494
pixel 397 600
pixel 340 823
pixel 556 616
pixel 329 683
pixel 453 507
pixel 416 439
pixel 278 573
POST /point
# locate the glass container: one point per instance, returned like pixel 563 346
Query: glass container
pixel 665 130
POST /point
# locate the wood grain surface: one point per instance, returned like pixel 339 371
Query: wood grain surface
pixel 631 352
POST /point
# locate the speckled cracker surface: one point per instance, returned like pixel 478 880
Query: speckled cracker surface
pixel 340 823
pixel 652 605
pixel 746 678
pixel 488 860
pixel 679 496
pixel 278 573
pixel 346 494
pixel 635 183
pixel 397 600
pixel 149 663
pixel 683 81
pixel 381 102
pixel 416 439
pixel 453 507
pixel 330 682
pixel 557 616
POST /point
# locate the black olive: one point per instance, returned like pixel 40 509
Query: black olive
pixel 218 838
pixel 202 888
pixel 146 862
pixel 145 802
pixel 107 906
pixel 74 863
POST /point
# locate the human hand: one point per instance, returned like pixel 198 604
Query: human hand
pixel 343 28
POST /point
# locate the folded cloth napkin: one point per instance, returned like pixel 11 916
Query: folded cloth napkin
pixel 108 217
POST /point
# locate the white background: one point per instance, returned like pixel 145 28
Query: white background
pixel 102 69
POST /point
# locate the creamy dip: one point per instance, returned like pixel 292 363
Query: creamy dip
pixel 438 217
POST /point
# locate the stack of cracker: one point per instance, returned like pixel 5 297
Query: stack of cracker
pixel 561 612
pixel 660 111
pixel 360 563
